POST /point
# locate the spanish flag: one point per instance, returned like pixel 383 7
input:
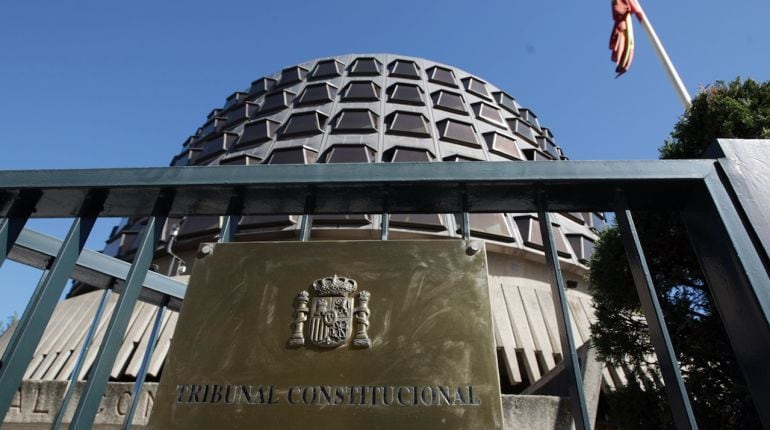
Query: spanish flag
pixel 622 38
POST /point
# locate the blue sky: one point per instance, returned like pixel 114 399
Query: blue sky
pixel 122 84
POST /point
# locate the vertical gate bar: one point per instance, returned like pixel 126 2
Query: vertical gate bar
pixel 385 222
pixel 233 215
pixel 304 229
pixel 142 374
pixel 466 218
pixel 571 363
pixel 33 322
pixel 12 225
pixel 466 226
pixel 227 233
pixel 14 336
pixel 85 413
pixel 307 219
pixel 385 225
pixel 73 380
pixel 669 367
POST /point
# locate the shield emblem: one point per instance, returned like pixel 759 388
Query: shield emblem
pixel 330 320
pixel 332 314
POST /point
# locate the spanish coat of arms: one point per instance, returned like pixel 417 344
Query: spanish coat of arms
pixel 334 310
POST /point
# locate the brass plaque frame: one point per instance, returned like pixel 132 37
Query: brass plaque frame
pixel 423 306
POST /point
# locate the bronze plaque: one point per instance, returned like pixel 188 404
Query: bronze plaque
pixel 334 335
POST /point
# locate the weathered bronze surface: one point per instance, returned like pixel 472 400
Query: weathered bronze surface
pixel 413 342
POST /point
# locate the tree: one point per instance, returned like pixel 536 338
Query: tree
pixel 739 109
pixel 9 322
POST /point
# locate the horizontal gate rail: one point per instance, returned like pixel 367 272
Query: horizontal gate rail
pixel 337 188
pixel 94 268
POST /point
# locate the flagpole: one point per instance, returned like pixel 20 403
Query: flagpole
pixel 673 76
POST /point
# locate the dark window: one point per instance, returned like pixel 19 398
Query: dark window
pixel 261 86
pixel 488 113
pixel 535 155
pixel 365 66
pixel 441 75
pixel 503 145
pixel 356 121
pixel 316 94
pixel 408 124
pixel 421 221
pixel 529 227
pixel 490 225
pixel 548 146
pixel 326 69
pixel 215 146
pixel 349 154
pixel 523 129
pixel 254 221
pixel 574 216
pixel 277 101
pixel 292 75
pixel 242 113
pixel 583 247
pixel 406 93
pixel 404 69
pixel 529 116
pixel 361 91
pixel 234 99
pixel 506 102
pixel 475 86
pixel 292 156
pixel 184 158
pixel 240 160
pixel 214 124
pixel 457 158
pixel 409 155
pixel 449 101
pixel 303 124
pixel 258 131
pixel 457 132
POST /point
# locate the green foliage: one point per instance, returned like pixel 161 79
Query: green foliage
pixel 740 109
pixel 11 320
pixel 735 110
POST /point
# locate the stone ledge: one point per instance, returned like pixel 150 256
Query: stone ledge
pixel 36 403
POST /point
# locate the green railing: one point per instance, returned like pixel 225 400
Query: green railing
pixel 710 194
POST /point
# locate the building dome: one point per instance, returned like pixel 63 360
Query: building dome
pixel 377 108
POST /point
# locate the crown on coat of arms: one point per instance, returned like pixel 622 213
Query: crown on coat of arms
pixel 334 286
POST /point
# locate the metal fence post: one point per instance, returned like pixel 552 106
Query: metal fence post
pixel 669 366
pixel 571 363
pixel 233 215
pixel 73 380
pixel 142 374
pixel 41 305
pixel 307 219
pixel 97 380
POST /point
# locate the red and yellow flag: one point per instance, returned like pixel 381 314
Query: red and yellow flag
pixel 622 38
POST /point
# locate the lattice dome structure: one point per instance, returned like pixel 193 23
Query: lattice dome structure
pixel 375 109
